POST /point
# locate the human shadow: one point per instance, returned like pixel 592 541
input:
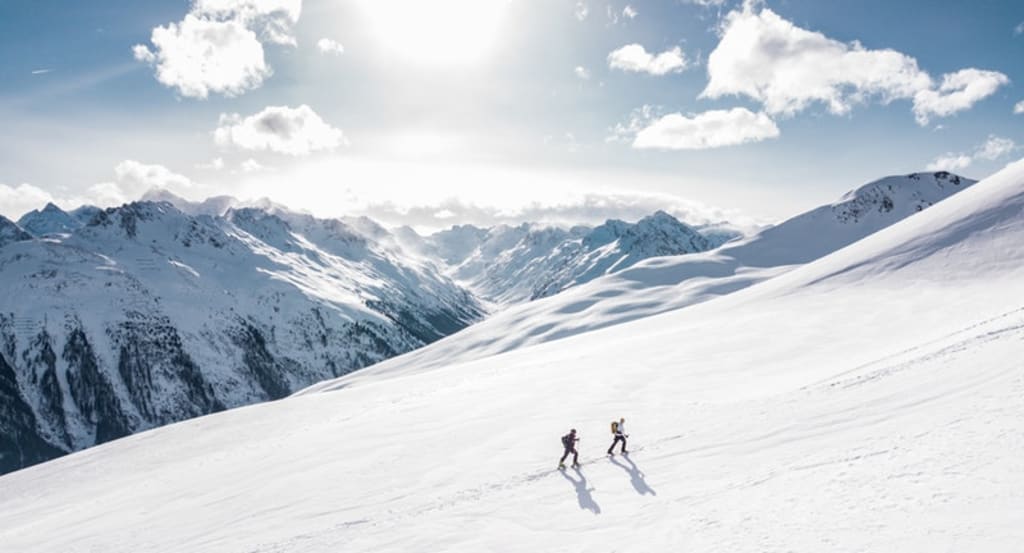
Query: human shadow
pixel 583 495
pixel 636 476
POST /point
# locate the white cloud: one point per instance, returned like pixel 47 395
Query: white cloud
pixel 292 131
pixel 330 46
pixel 16 201
pixel 995 147
pixel 133 179
pixel 787 69
pixel 613 16
pixel 251 166
pixel 706 3
pixel 710 129
pixel 582 72
pixel 992 149
pixel 633 57
pixel 950 162
pixel 273 18
pixel 1019 29
pixel 1019 108
pixel 218 46
pixel 581 11
pixel 588 208
pixel 959 91
pixel 629 12
pixel 215 164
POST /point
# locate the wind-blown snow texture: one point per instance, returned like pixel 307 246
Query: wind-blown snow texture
pixel 867 401
pixel 147 315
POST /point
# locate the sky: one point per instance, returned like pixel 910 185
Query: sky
pixel 433 113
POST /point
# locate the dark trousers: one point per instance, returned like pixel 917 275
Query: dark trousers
pixel 618 438
pixel 575 456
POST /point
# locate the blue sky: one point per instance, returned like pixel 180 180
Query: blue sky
pixel 447 111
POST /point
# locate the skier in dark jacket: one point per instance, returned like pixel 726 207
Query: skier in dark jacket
pixel 569 443
pixel 619 430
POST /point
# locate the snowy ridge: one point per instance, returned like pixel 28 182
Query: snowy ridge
pixel 10 232
pixel 661 284
pixel 49 220
pixel 510 265
pixel 164 309
pixel 869 400
pixel 147 316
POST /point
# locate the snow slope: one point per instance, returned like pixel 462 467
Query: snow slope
pixel 867 401
pixel 661 284
pixel 121 320
pixel 148 315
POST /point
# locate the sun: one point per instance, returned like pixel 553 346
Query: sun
pixel 441 32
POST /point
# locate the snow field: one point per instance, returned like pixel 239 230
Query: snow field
pixel 869 401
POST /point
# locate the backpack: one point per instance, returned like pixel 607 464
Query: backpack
pixel 567 441
pixel 615 427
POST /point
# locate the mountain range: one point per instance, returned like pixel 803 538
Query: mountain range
pixel 660 284
pixel 866 400
pixel 114 321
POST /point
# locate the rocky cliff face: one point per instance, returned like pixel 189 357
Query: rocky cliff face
pixel 147 315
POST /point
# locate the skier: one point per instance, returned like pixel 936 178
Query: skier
pixel 619 430
pixel 569 443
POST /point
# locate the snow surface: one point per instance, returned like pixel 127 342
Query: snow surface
pixel 867 401
pixel 148 315
pixel 509 265
pixel 661 284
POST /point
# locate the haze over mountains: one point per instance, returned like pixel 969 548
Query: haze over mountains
pixel 660 284
pixel 873 392
pixel 119 320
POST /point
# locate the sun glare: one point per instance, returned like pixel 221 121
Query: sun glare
pixel 436 31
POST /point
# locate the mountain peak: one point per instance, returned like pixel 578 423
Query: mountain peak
pixel 906 193
pixel 49 220
pixel 129 216
pixel 214 206
pixel 11 232
pixel 925 181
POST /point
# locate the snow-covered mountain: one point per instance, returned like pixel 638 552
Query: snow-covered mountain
pixel 510 265
pixel 11 232
pixel 147 315
pixel 866 401
pixel 370 278
pixel 125 319
pixel 660 284
pixel 54 220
